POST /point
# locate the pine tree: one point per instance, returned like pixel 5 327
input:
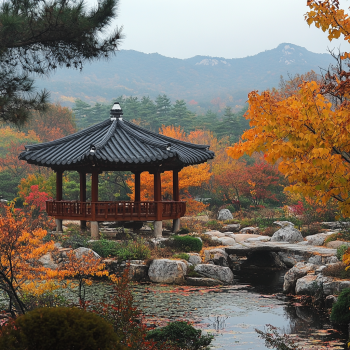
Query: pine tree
pixel 81 111
pixel 180 115
pixel 163 106
pixel 37 36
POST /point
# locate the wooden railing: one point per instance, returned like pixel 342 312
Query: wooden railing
pixel 116 211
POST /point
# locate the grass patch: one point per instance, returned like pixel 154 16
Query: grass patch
pixel 183 256
pixel 339 236
pixel 336 270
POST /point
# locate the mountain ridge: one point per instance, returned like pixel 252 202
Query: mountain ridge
pixel 209 82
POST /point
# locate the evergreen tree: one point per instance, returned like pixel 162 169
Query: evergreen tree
pixel 37 36
pixel 180 115
pixel 163 106
pixel 81 111
pixel 147 113
pixel 131 108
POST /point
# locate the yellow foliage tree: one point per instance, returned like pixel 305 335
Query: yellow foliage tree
pixel 308 135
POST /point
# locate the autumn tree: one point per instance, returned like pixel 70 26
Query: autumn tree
pixel 39 36
pixel 55 122
pixel 20 249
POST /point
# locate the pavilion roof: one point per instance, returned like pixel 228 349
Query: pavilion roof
pixel 116 144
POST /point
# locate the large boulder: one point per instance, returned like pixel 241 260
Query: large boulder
pixel 223 274
pixel 216 256
pixel 167 271
pixel 48 262
pixel 310 285
pixel 317 239
pixel 231 227
pixel 81 251
pixel 298 271
pixel 194 259
pixel 287 233
pixel 290 259
pixel 336 224
pixel 224 214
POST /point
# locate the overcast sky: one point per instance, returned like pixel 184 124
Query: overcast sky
pixel 223 28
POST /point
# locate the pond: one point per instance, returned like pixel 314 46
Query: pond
pixel 233 312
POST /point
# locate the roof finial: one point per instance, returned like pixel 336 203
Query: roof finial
pixel 116 111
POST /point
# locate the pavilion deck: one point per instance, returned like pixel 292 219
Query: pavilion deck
pixel 116 211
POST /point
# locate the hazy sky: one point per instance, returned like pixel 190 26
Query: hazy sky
pixel 224 28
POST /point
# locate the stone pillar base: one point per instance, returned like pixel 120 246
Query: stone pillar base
pixel 94 230
pixel 83 225
pixel 59 225
pixel 158 225
pixel 176 225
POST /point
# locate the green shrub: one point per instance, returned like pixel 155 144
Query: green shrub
pixel 59 329
pixel 183 231
pixel 340 310
pixel 341 250
pixel 74 241
pixel 188 243
pixel 105 247
pixel 183 256
pixel 182 334
pixel 128 250
pixel 133 250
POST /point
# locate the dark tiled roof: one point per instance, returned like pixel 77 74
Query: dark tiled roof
pixel 116 144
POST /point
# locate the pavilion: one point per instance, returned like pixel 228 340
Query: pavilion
pixel 116 145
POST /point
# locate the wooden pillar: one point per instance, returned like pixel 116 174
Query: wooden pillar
pixel 82 198
pixel 59 174
pixel 59 197
pixel 176 198
pixel 137 187
pixel 159 206
pixel 176 192
pixel 94 199
pixel 94 187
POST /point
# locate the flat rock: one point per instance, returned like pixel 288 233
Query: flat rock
pixel 223 274
pixel 167 271
pixel 336 224
pixel 259 239
pixel 232 227
pixel 224 214
pixel 227 241
pixel 241 237
pixel 337 244
pixel 202 281
pixel 249 230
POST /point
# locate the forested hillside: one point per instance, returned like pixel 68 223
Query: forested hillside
pixel 153 114
pixel 203 82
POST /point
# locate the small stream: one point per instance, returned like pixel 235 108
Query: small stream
pixel 233 312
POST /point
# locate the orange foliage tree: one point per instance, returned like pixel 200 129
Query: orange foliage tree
pixel 20 250
pixel 54 123
pixel 189 177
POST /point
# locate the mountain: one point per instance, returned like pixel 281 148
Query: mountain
pixel 200 80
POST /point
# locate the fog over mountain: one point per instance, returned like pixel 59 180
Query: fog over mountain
pixel 200 80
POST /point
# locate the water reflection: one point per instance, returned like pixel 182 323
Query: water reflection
pixel 234 312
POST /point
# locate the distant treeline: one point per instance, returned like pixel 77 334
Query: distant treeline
pixel 153 114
